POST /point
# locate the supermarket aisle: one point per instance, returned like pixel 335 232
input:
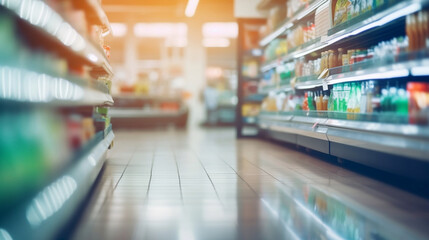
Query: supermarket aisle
pixel 206 185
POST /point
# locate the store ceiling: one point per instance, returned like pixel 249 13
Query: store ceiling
pixel 167 10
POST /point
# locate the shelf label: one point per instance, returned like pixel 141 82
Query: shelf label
pixel 315 125
pixel 324 85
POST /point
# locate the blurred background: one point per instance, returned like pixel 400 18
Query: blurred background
pixel 214 119
pixel 170 60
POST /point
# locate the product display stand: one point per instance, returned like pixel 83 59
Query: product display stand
pixel 246 125
pixel 396 142
pixel 56 76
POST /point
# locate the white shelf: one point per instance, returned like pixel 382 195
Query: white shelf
pixel 399 139
pixel 395 70
pixel 393 13
pixel 21 85
pixel 290 23
pixel 42 216
pixel 40 15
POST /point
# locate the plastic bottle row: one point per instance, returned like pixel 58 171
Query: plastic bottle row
pixel 409 101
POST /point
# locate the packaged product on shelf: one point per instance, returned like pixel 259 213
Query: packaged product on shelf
pixel 280 100
pixel 418 102
pixel 251 109
pixel 250 68
pixel 269 104
pixel 88 128
pixel 7 35
pixel 323 20
pixel 417 30
pixel 276 15
pixel 29 155
pixel 74 131
pixel 341 11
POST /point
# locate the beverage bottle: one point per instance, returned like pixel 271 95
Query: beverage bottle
pixel 413 37
pixel 362 107
pixel 323 62
pixel 334 95
pixel 325 101
pixel 426 28
pixel 310 101
pixel 346 91
pixel 341 94
pixel 357 99
pixel 316 101
pixel 305 103
pixel 332 59
pixel 350 101
pixel 369 97
pixel 330 101
pixel 340 57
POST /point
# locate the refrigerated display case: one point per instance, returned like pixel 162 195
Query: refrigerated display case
pixel 349 79
pixel 55 129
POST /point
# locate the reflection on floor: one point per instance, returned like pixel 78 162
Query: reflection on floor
pixel 204 184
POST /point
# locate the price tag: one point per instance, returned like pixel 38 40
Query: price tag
pixel 315 125
pixel 324 85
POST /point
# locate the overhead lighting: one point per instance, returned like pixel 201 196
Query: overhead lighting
pixel 119 29
pixel 160 30
pixel 191 7
pixel 220 29
pixel 216 42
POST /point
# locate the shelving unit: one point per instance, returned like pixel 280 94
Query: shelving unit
pixel 55 94
pixel 147 111
pixel 45 24
pixel 399 10
pixel 246 52
pixel 289 23
pixel 42 216
pixel 386 141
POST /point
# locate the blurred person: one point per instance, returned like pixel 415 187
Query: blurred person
pixel 210 102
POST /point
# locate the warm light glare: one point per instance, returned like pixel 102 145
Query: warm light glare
pixel 119 29
pixel 220 30
pixel 214 72
pixel 191 7
pixel 216 42
pixel 176 42
pixel 160 30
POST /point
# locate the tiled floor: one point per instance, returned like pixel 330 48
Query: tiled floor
pixel 204 184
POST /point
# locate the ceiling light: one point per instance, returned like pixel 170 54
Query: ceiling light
pixel 160 30
pixel 191 7
pixel 220 29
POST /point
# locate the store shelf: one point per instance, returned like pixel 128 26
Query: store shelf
pixel 27 86
pixel 254 98
pixel 390 14
pixel 44 20
pixel 148 97
pixel 49 211
pixel 143 113
pixel 251 79
pixel 255 52
pixel 416 68
pixel 399 139
pixel 291 22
